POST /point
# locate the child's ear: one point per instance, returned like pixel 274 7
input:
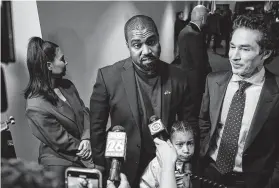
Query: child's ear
pixel 49 65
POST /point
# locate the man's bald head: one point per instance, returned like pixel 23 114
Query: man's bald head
pixel 198 13
pixel 139 22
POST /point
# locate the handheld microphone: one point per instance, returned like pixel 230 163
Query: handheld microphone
pixel 157 129
pixel 116 150
pixel 5 124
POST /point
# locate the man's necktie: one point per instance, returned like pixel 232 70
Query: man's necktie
pixel 229 141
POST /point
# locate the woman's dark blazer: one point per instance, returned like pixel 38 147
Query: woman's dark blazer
pixel 61 127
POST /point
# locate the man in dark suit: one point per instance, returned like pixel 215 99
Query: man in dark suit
pixel 239 118
pixel 131 91
pixel 214 29
pixel 226 29
pixel 193 54
pixel 179 24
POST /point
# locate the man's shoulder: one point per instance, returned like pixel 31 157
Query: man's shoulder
pixel 175 70
pixel 175 73
pixel 219 75
pixel 116 68
pixel 186 30
pixel 272 75
pixel 189 33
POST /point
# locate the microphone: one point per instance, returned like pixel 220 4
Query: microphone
pixel 116 150
pixel 5 124
pixel 157 129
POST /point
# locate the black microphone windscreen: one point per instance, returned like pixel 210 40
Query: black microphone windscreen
pixel 118 128
pixel 153 118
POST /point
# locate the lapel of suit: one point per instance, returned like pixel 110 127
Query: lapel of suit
pixel 195 27
pixel 129 81
pixel 166 92
pixel 266 101
pixel 66 110
pixel 218 97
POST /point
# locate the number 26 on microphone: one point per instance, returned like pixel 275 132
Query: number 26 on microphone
pixel 115 146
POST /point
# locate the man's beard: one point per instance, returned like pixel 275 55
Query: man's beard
pixel 150 67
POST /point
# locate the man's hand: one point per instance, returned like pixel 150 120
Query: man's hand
pixel 165 152
pixel 123 183
pixel 84 149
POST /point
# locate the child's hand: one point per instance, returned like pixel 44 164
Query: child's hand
pixel 183 180
pixel 165 152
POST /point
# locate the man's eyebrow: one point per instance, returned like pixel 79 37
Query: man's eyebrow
pixel 152 36
pixel 242 45
pixel 179 141
pixel 246 45
pixel 135 40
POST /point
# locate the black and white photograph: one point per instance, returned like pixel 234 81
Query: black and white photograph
pixel 139 94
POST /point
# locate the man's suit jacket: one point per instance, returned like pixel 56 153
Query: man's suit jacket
pixel 115 94
pixel 214 24
pixel 193 50
pixel 260 162
pixel 60 128
pixel 194 59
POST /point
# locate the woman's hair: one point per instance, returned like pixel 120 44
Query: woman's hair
pixel 182 126
pixel 39 52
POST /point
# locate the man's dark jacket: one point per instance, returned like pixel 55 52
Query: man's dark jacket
pixel 115 95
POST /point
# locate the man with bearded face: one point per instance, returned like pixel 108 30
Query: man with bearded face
pixel 134 89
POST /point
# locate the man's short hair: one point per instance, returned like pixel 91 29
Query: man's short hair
pixel 139 22
pixel 254 22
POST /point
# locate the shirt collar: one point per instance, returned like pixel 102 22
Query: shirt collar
pixel 196 25
pixel 256 79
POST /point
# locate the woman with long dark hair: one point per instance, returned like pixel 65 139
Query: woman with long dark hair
pixel 55 112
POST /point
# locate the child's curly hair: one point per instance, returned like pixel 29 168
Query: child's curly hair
pixel 182 126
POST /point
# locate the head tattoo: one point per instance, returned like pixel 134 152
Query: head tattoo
pixel 139 22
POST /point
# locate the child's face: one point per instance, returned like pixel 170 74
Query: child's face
pixel 184 144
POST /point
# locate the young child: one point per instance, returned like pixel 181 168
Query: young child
pixel 182 137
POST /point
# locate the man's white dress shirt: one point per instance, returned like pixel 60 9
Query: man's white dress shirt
pixel 252 97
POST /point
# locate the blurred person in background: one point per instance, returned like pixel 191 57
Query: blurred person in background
pixel 16 173
pixel 193 54
pixel 226 29
pixel 179 24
